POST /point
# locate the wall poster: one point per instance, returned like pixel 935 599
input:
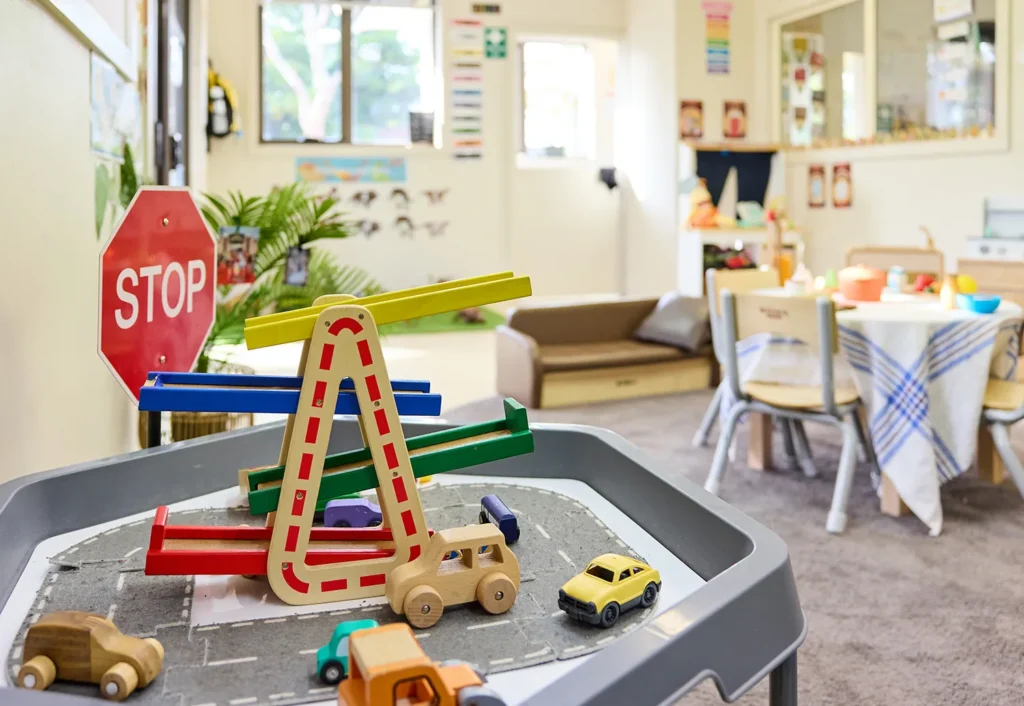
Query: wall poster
pixel 842 185
pixel 691 120
pixel 467 94
pixel 716 35
pixel 734 119
pixel 816 185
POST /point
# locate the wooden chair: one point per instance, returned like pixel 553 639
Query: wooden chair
pixel 813 321
pixel 737 282
pixel 914 260
pixel 1003 406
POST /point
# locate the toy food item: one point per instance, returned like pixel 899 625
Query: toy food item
pixel 947 295
pixel 610 585
pixel 422 588
pixel 332 658
pixel 389 668
pixel 76 646
pixel 351 512
pixel 861 284
pixel 703 213
pixel 923 282
pixel 966 284
pixel 497 512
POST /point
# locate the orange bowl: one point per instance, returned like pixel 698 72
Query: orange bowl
pixel 861 284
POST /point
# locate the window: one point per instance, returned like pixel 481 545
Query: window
pixel 559 114
pixel 624 575
pixel 600 572
pixel 637 570
pixel 333 73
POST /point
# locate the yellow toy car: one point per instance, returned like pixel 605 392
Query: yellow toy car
pixel 611 585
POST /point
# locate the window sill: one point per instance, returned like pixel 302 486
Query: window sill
pixel 923 149
pixel 319 149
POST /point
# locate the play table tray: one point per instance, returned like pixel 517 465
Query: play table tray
pixel 743 624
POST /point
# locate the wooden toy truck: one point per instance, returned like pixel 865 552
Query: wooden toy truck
pixel 387 667
pixel 75 646
pixel 422 588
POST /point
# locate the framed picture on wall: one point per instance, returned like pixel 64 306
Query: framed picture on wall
pixel 734 119
pixel 691 120
pixel 842 185
pixel 816 185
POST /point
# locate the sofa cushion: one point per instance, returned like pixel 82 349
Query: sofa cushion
pixel 581 356
pixel 677 321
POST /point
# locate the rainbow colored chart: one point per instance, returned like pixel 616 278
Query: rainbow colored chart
pixel 716 35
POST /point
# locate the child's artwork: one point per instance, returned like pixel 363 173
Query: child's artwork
pixel 116 112
pixel 842 185
pixel 691 120
pixel 816 185
pixel 350 169
pixel 236 254
pixel 734 119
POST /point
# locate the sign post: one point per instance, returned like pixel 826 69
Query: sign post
pixel 157 290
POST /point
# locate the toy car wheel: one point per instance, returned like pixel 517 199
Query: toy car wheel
pixel 609 615
pixel 479 696
pixel 496 593
pixel 118 682
pixel 422 606
pixel 650 595
pixel 38 673
pixel 332 672
pixel 342 523
pixel 374 523
pixel 483 517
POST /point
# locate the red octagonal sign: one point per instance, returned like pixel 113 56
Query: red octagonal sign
pixel 156 287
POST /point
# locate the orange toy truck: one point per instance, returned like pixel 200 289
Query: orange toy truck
pixel 387 667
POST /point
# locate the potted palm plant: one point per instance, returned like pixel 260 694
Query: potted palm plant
pixel 288 217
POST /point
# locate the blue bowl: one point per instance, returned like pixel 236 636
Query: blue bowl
pixel 979 303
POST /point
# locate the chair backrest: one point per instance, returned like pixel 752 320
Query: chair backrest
pixel 914 261
pixel 737 282
pixel 811 320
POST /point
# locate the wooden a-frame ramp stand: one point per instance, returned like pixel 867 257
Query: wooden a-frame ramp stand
pixel 341 340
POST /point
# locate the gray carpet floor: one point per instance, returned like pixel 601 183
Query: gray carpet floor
pixel 895 616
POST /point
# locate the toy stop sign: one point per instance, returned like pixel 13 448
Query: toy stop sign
pixel 156 287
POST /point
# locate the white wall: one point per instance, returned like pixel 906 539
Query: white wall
pixel 893 195
pixel 60 405
pixel 649 192
pixel 478 234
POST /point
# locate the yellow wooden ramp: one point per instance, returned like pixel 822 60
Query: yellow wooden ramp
pixel 403 305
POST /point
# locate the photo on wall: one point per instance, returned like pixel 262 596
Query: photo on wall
pixel 296 267
pixel 842 185
pixel 816 185
pixel 236 254
pixel 691 120
pixel 734 119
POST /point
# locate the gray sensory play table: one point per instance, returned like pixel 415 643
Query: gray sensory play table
pixel 744 624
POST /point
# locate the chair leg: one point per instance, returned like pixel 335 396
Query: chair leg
pixel 844 477
pixel 1001 439
pixel 866 450
pixel 787 440
pixel 803 450
pixel 710 416
pixel 722 449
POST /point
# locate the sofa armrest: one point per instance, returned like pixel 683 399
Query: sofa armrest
pixel 519 374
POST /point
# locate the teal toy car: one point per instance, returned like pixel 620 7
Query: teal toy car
pixel 332 658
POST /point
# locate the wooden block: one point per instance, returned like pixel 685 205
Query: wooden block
pixel 759 447
pixel 990 465
pixel 890 501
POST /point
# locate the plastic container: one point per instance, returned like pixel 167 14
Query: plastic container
pixel 896 281
pixel 861 284
pixel 979 303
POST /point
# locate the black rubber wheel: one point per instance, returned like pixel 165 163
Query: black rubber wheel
pixel 483 517
pixel 650 595
pixel 610 615
pixel 332 672
pixel 375 523
pixel 343 523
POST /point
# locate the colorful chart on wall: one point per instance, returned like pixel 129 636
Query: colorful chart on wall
pixel 842 185
pixel 803 87
pixel 691 120
pixel 350 169
pixel 816 185
pixel 716 35
pixel 466 86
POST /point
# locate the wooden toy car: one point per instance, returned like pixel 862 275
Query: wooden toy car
pixel 492 509
pixel 389 668
pixel 75 646
pixel 332 658
pixel 610 585
pixel 423 588
pixel 352 512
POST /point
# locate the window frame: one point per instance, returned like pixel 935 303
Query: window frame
pixel 346 87
pixel 998 142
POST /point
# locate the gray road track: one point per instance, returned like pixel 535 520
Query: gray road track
pixel 270 661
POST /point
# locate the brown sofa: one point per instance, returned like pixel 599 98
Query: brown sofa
pixel 554 356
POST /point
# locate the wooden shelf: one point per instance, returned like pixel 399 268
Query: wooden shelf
pixel 738 146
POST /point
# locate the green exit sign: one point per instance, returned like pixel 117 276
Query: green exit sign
pixel 495 42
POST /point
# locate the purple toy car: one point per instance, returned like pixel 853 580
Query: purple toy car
pixel 351 512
